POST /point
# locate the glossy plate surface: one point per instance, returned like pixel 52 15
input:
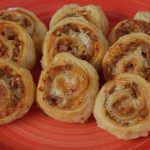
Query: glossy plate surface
pixel 37 131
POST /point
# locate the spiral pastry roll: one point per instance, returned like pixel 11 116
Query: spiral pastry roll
pixel 144 15
pixel 67 89
pixel 17 91
pixel 77 36
pixel 131 53
pixel 92 13
pixel 16 44
pixel 128 26
pixel 29 21
pixel 122 106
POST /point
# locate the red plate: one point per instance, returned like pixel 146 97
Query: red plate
pixel 37 131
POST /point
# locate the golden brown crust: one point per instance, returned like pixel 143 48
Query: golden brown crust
pixel 16 44
pixel 128 26
pixel 122 106
pixel 92 13
pixel 17 91
pixel 29 21
pixel 131 53
pixel 78 37
pixel 67 89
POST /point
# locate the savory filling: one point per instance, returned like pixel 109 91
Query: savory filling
pixel 10 44
pixel 124 104
pixel 4 50
pixel 131 26
pixel 20 18
pixel 12 91
pixel 133 57
pixel 78 40
pixel 63 86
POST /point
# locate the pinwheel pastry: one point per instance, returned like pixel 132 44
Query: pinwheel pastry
pixel 16 44
pixel 131 53
pixel 17 91
pixel 29 21
pixel 122 106
pixel 129 26
pixel 77 36
pixel 67 89
pixel 92 13
pixel 144 15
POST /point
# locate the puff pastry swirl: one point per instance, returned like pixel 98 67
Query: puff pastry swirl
pixel 144 15
pixel 128 26
pixel 77 36
pixel 29 21
pixel 122 106
pixel 67 89
pixel 131 53
pixel 16 44
pixel 92 13
pixel 17 91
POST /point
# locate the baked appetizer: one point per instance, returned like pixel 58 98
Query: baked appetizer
pixel 67 89
pixel 129 26
pixel 17 91
pixel 144 15
pixel 77 36
pixel 131 53
pixel 16 44
pixel 122 106
pixel 92 13
pixel 29 21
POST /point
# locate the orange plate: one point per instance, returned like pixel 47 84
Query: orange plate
pixel 37 131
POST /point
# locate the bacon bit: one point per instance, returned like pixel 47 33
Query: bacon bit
pixel 85 57
pixel 3 50
pixel 17 80
pixel 63 48
pixel 74 27
pixel 145 47
pixel 51 78
pixel 42 88
pixel 6 70
pixel 125 123
pixel 128 67
pixel 50 99
pixel 66 28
